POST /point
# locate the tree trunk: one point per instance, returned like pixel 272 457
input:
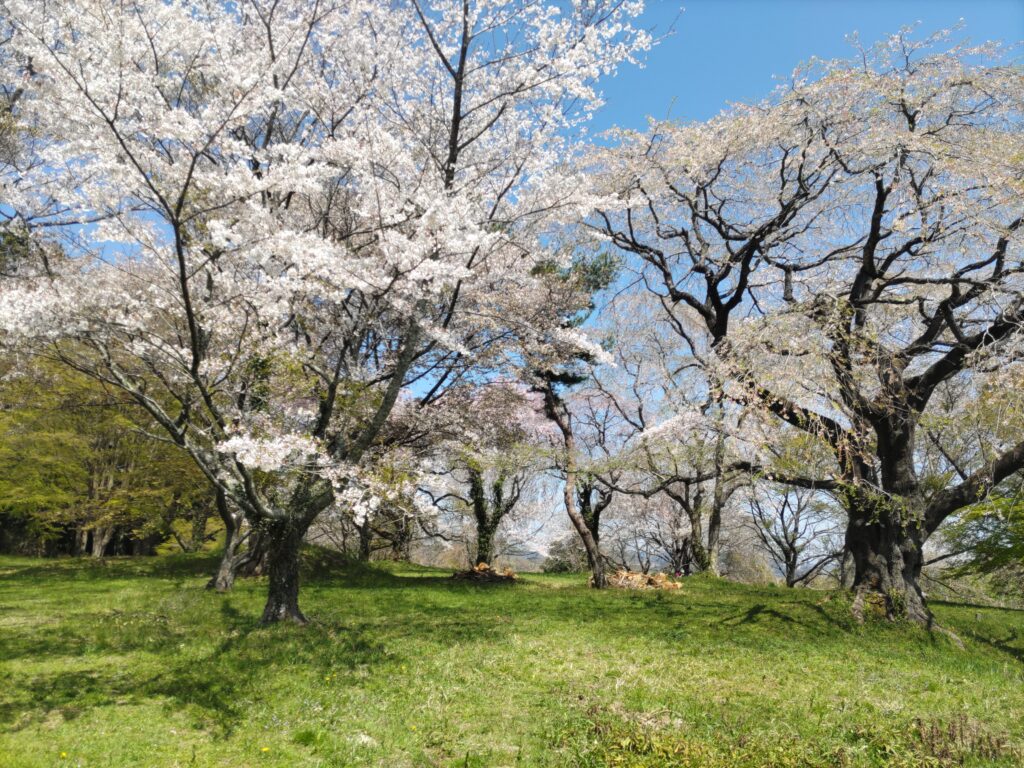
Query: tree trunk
pixel 81 545
pixel 484 544
pixel 590 510
pixel 885 535
pixel 556 411
pixel 285 540
pixel 711 553
pixel 598 579
pixel 224 579
pixel 255 560
pixel 846 569
pixel 792 568
pixel 594 560
pixel 365 539
pixel 887 560
pixel 401 544
pixel 719 497
pixel 701 557
pixel 101 537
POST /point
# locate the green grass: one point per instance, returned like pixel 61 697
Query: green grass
pixel 133 663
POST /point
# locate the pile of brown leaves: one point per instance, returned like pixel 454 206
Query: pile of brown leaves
pixel 629 580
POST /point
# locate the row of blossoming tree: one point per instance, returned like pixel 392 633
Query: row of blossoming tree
pixel 330 247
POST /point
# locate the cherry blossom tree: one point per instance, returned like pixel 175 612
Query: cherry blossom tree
pixel 279 215
pixel 833 256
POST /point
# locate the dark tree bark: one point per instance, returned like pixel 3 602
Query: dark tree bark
pixel 285 540
pixel 881 382
pixel 284 536
pixel 592 500
pixel 885 531
pixel 255 560
pixel 365 541
pixel 701 556
pixel 484 544
pixel 887 556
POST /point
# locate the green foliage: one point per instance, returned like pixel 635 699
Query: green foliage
pixel 132 662
pixel 72 457
pixel 991 534
pixel 14 246
pixel 597 271
pixel 587 275
pixel 897 602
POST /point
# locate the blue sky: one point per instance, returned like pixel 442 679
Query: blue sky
pixel 728 50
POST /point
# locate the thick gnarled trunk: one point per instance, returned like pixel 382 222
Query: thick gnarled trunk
pixel 554 408
pixel 598 580
pixel 285 540
pixel 587 524
pixel 887 560
pixel 885 533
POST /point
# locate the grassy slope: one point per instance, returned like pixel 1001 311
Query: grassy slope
pixel 132 663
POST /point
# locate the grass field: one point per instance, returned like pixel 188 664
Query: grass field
pixel 132 663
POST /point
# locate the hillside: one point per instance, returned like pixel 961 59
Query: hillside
pixel 132 663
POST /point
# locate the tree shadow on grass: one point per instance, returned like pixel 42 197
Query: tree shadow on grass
pixel 755 612
pixel 1008 645
pixel 110 632
pixel 215 679
pixel 715 610
pixel 761 619
pixel 215 686
pixel 362 576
